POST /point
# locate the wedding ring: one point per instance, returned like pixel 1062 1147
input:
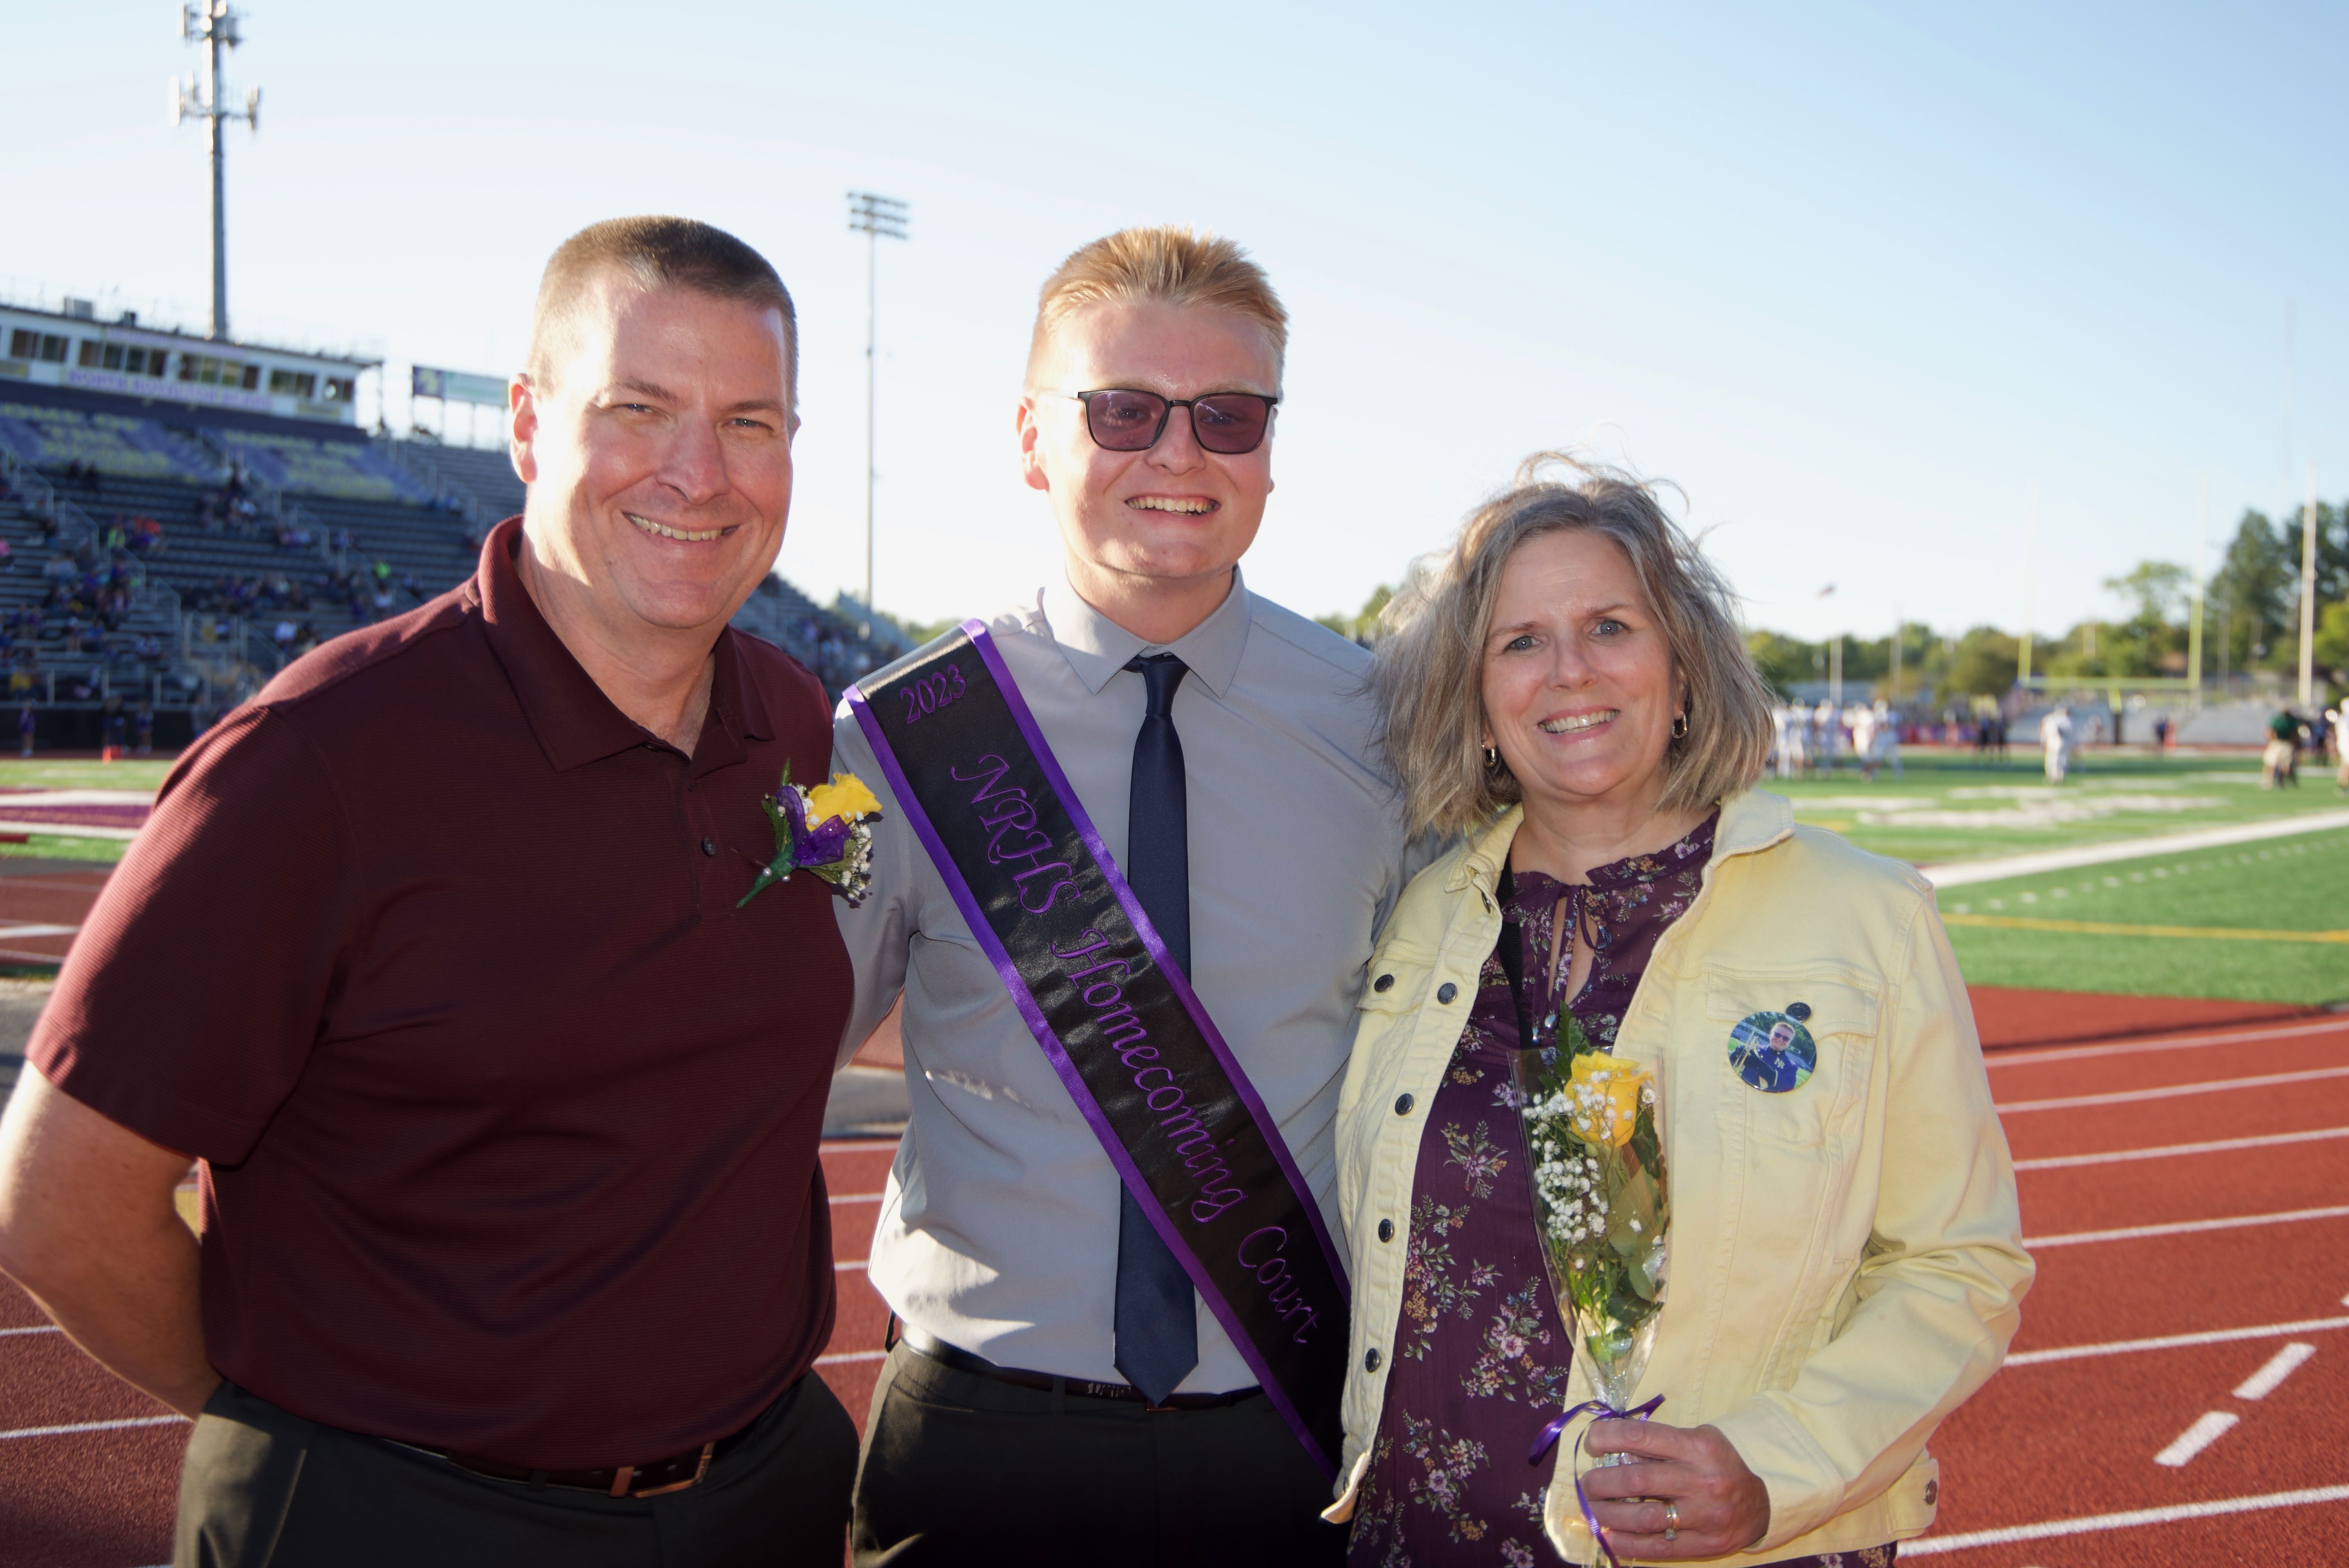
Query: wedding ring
pixel 1672 1521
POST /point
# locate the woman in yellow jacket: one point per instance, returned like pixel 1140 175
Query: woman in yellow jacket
pixel 1568 691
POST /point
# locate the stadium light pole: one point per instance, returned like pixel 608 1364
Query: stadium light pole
pixel 2308 591
pixel 876 218
pixel 211 24
pixel 2194 621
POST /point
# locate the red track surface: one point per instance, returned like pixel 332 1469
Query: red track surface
pixel 2055 1439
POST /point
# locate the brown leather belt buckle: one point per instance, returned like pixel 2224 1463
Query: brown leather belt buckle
pixel 627 1474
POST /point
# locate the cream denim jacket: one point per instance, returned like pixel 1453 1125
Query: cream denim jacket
pixel 1847 1260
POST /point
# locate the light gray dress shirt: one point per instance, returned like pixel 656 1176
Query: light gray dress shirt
pixel 999 1227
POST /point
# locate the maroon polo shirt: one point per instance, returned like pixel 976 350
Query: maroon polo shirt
pixel 509 1115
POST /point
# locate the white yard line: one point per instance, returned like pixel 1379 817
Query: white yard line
pixel 2186 1227
pixel 1997 1059
pixel 2207 1428
pixel 2176 1341
pixel 2280 1365
pixel 2169 1150
pixel 70 1429
pixel 1963 873
pixel 2170 1091
pixel 1925 1546
pixel 67 830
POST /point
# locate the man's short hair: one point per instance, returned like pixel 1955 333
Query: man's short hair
pixel 1169 262
pixel 654 252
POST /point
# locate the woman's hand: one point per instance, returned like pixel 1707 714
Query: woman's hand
pixel 1722 1506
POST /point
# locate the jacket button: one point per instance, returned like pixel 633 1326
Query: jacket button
pixel 1402 1105
pixel 708 846
pixel 1370 1361
pixel 1798 1011
pixel 1383 982
pixel 1386 1229
pixel 1445 991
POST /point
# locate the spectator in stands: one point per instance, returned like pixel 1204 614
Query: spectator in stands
pixel 24 725
pixel 7 556
pixel 145 729
pixel 518 1270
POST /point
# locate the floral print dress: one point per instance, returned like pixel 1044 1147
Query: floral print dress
pixel 1480 1358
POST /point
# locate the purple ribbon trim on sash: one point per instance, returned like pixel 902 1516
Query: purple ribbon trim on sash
pixel 1599 1410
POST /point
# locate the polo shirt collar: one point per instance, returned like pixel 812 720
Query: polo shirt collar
pixel 575 722
pixel 1098 647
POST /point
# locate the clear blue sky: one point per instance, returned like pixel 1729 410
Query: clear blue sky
pixel 1858 278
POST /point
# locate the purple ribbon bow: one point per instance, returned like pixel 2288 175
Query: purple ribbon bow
pixel 1599 1410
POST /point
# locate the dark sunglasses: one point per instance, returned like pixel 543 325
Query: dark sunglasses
pixel 1227 423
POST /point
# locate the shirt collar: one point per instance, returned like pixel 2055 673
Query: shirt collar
pixel 1098 647
pixel 575 722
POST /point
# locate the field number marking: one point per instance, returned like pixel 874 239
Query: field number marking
pixel 2207 1428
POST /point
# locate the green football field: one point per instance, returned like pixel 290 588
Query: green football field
pixel 1953 808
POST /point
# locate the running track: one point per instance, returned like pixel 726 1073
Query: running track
pixel 2189 1239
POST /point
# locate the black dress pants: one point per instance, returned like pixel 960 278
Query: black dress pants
pixel 963 1468
pixel 262 1487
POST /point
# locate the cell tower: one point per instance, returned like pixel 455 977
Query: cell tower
pixel 211 24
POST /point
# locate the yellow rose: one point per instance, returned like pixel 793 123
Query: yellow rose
pixel 845 796
pixel 1605 1098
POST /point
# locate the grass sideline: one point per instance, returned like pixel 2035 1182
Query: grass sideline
pixel 1948 807
pixel 83 773
pixel 2298 884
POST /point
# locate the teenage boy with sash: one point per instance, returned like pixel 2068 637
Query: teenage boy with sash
pixel 1144 852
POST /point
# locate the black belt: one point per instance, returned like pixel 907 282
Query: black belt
pixel 961 1360
pixel 674 1473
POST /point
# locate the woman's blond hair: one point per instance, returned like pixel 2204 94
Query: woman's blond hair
pixel 1166 263
pixel 1429 675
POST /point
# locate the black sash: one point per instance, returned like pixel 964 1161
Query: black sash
pixel 1117 1019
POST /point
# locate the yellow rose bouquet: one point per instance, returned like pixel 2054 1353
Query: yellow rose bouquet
pixel 1601 1212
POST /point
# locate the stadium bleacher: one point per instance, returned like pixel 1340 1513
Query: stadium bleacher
pixel 194 554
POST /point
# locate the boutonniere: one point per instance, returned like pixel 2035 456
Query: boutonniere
pixel 826 830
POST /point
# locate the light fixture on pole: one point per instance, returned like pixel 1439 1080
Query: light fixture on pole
pixel 876 218
pixel 211 24
pixel 2308 593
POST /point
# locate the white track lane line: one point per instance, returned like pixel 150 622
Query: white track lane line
pixel 10 932
pixel 2177 1341
pixel 2186 1227
pixel 45 1328
pixel 2169 1150
pixel 2170 1091
pixel 875 1197
pixel 1998 1059
pixel 1925 1546
pixel 95 1427
pixel 848 1267
pixel 2207 1428
pixel 848 1355
pixel 2280 1365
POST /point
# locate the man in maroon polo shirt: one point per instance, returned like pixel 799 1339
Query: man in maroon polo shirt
pixel 515 1244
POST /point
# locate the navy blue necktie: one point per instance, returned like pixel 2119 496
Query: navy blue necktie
pixel 1158 1315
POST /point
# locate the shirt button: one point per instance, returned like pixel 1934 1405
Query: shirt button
pixel 1402 1105
pixel 708 846
pixel 1445 991
pixel 1370 1361
pixel 1383 982
pixel 1386 1229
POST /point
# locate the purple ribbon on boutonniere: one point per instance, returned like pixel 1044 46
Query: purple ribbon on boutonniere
pixel 1599 1410
pixel 837 849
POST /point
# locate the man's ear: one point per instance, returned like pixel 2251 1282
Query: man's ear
pixel 522 425
pixel 1031 445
